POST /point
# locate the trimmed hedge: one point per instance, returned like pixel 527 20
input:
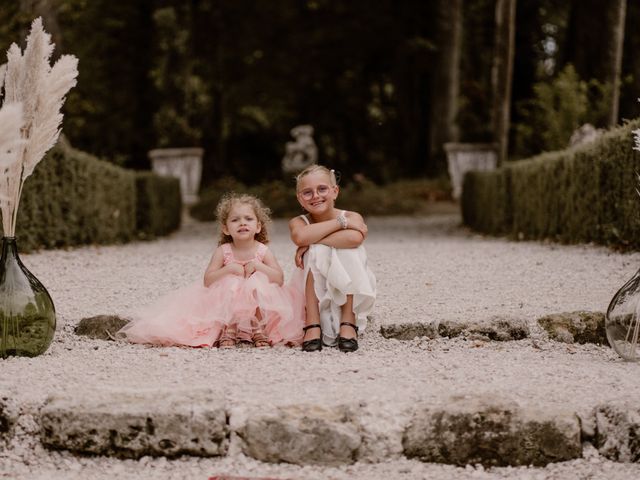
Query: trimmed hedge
pixel 72 198
pixel 403 197
pixel 159 205
pixel 575 195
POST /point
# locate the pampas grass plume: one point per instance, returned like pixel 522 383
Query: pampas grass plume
pixel 39 89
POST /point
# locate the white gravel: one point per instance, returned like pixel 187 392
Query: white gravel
pixel 428 269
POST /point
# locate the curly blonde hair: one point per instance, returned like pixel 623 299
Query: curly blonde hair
pixel 226 203
pixel 317 168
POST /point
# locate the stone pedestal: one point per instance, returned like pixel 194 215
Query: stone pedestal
pixel 182 163
pixel 462 157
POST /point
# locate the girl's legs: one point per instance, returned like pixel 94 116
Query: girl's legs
pixel 259 338
pixel 348 337
pixel 347 316
pixel 312 310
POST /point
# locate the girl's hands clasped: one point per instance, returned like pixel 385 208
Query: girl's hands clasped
pixel 235 269
pixel 249 269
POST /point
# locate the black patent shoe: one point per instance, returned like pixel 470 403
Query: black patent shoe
pixel 348 344
pixel 314 345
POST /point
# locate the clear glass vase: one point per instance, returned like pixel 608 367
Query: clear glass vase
pixel 623 319
pixel 27 314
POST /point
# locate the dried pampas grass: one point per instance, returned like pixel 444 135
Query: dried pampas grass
pixel 34 92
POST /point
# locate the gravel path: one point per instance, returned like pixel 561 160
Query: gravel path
pixel 429 269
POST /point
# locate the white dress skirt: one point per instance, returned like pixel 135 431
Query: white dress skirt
pixel 338 272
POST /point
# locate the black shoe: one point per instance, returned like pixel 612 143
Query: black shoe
pixel 348 344
pixel 314 345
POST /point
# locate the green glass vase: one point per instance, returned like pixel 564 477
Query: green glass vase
pixel 622 322
pixel 27 314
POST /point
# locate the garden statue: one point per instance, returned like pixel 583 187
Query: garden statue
pixel 587 133
pixel 301 153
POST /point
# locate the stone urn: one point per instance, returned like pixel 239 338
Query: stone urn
pixel 182 163
pixel 463 157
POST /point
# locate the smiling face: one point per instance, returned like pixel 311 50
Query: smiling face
pixel 316 193
pixel 242 223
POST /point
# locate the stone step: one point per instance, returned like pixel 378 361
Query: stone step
pixel 460 430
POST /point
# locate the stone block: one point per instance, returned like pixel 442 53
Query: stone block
pixel 575 327
pixel 618 431
pixel 409 331
pixel 301 434
pixel 498 328
pixel 100 327
pixel 132 424
pixel 492 432
pixel 9 413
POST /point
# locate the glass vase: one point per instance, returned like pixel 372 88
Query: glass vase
pixel 623 319
pixel 27 314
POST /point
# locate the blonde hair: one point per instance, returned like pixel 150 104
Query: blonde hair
pixel 317 168
pixel 226 203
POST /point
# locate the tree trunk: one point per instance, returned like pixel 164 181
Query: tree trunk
pixel 502 74
pixel 615 19
pixel 445 85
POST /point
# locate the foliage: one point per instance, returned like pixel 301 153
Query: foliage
pixel 158 205
pixel 557 109
pixel 73 198
pixel 178 118
pixel 574 195
pixel 406 197
pixel 110 112
pixel 236 76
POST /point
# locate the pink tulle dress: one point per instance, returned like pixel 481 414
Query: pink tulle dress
pixel 196 315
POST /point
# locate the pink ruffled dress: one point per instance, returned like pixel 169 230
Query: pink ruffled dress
pixel 196 315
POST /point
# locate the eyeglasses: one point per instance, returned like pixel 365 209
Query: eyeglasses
pixel 321 190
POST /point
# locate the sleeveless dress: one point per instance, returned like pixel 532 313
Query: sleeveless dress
pixel 338 272
pixel 196 315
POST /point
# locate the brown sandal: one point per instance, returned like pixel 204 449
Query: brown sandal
pixel 228 338
pixel 258 337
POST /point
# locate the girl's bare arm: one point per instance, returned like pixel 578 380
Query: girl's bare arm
pixel 270 267
pixel 329 232
pixel 303 234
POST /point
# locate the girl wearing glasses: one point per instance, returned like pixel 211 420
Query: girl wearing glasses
pixel 339 288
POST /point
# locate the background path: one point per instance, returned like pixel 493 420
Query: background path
pixel 429 269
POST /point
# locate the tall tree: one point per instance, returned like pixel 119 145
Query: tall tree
pixel 445 85
pixel 502 74
pixel 630 89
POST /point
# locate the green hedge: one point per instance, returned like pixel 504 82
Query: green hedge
pixel 159 205
pixel 365 197
pixel 575 195
pixel 72 198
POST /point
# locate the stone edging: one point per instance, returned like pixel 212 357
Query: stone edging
pixel 460 430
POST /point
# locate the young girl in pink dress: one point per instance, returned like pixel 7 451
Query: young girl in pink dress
pixel 241 299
